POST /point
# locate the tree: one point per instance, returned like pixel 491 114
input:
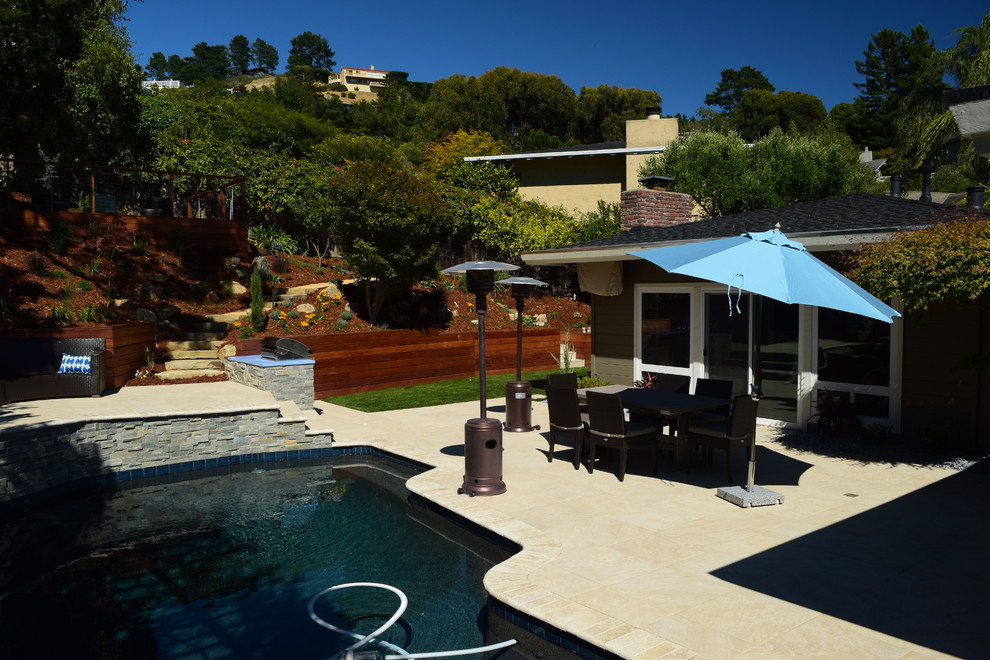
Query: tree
pixel 264 55
pixel 389 224
pixel 724 176
pixel 312 50
pixel 601 112
pixel 948 261
pixel 893 66
pixel 40 44
pixel 157 66
pixel 461 103
pixel 207 62
pixel 444 156
pixel 735 83
pixel 760 111
pixel 239 50
pixel 176 68
pixel 533 102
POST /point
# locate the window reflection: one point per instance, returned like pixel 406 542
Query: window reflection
pixel 666 330
pixel 853 349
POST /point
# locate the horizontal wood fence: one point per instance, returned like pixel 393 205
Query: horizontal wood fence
pixel 126 344
pixel 361 362
pixel 160 232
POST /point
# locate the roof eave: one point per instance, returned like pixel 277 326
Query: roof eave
pixel 813 241
pixel 625 151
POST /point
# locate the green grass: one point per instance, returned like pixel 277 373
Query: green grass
pixel 441 392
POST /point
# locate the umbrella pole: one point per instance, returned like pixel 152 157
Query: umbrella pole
pixel 757 386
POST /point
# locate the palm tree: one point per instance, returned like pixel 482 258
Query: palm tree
pixel 967 64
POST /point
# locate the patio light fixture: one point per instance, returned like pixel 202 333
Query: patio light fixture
pixel 482 435
pixel 519 393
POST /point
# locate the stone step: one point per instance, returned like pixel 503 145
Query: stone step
pixel 204 326
pixel 200 345
pixel 192 364
pixel 179 374
pixel 199 353
pixel 202 336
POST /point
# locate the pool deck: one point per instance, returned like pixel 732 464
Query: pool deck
pixel 860 561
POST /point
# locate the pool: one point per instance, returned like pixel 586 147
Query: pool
pixel 222 566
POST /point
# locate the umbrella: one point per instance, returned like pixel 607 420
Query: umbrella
pixel 768 264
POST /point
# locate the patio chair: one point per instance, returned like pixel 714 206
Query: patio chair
pixel 609 428
pixel 566 422
pixel 568 379
pixel 737 432
pixel 720 389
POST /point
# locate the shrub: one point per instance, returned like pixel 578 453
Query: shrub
pixel 60 237
pixel 257 318
pixel 345 315
pixel 90 313
pixel 341 323
pixel 61 314
pixel 38 264
pixel 591 381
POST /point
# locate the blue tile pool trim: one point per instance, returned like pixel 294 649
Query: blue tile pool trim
pixel 548 633
pixel 469 526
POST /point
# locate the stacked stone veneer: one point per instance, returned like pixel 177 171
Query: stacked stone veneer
pixel 287 380
pixel 655 208
pixel 35 458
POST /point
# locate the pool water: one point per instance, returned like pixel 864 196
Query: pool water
pixel 223 567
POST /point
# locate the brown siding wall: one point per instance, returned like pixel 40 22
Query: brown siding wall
pixel 158 232
pixel 945 396
pixel 360 362
pixel 125 345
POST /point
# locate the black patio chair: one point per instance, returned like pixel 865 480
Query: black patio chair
pixel 737 432
pixel 609 428
pixel 719 389
pixel 566 421
pixel 568 379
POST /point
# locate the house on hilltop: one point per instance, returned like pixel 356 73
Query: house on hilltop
pixel 909 376
pixel 578 177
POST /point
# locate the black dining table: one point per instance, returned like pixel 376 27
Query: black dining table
pixel 676 406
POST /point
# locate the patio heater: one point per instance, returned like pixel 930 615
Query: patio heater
pixel 519 393
pixel 482 436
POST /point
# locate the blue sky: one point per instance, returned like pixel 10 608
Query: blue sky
pixel 677 49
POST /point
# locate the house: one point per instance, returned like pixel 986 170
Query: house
pixel 578 177
pixel 369 80
pixel 907 376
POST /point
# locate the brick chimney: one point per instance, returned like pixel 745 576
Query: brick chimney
pixel 655 207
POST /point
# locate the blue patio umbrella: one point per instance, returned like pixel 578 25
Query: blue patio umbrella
pixel 768 264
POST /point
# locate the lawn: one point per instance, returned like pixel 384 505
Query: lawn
pixel 439 393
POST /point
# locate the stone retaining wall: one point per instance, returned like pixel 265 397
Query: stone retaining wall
pixel 35 458
pixel 289 380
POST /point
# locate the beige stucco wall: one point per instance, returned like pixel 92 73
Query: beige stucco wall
pixel 577 183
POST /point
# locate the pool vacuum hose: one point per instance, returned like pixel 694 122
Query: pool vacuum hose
pixel 352 653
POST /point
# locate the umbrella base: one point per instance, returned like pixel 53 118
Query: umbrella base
pixel 759 496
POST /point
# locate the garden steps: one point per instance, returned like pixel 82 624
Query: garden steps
pixel 198 350
pixel 179 374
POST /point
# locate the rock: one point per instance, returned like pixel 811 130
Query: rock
pixel 143 314
pixel 331 290
pixel 160 278
pixel 125 304
pixel 541 320
pixel 211 298
pixel 263 267
pixel 305 308
pixel 235 288
pixel 227 350
pixel 168 312
pixel 152 293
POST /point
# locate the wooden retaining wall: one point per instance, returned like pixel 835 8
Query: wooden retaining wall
pixel 231 236
pixel 125 345
pixel 361 362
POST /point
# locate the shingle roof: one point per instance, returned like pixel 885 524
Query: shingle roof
pixel 854 213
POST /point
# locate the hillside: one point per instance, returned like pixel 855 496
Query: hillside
pixel 43 287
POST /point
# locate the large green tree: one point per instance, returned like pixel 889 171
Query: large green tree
pixel 264 55
pixel 725 176
pixel 390 224
pixel 601 112
pixel 208 62
pixel 312 50
pixel 239 51
pixel 734 83
pixel 46 48
pixel 760 111
pixel 533 102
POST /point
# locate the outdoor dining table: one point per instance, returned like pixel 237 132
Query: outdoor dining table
pixel 677 406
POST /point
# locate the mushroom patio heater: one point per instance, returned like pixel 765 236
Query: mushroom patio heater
pixel 482 436
pixel 519 393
